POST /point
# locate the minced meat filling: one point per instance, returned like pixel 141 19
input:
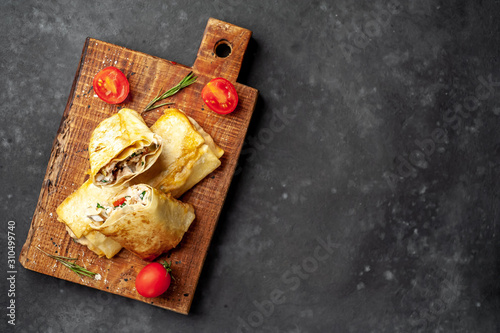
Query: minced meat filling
pixel 118 169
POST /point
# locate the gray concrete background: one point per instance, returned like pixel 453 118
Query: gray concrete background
pixel 373 208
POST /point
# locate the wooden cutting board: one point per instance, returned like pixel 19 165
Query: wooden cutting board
pixel 220 55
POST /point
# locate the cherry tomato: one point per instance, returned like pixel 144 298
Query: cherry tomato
pixel 111 85
pixel 119 202
pixel 220 96
pixel 153 280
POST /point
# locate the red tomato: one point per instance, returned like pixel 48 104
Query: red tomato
pixel 111 85
pixel 119 202
pixel 153 280
pixel 220 96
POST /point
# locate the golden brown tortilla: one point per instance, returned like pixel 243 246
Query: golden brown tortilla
pixel 149 227
pixel 188 155
pixel 120 148
pixel 73 212
pixel 98 243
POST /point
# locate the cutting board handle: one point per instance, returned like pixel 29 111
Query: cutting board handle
pixel 222 49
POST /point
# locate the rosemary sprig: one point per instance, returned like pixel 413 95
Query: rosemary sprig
pixel 188 80
pixel 70 263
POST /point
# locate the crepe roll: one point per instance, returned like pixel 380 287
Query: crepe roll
pixel 188 155
pixel 74 211
pixel 120 148
pixel 144 220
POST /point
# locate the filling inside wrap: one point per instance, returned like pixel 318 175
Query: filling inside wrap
pixel 134 195
pixel 143 220
pixel 120 148
pixel 73 213
pixel 134 163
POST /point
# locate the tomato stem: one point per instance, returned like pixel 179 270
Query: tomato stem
pixel 167 266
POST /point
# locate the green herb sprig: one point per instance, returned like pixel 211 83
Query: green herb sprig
pixel 187 81
pixel 70 263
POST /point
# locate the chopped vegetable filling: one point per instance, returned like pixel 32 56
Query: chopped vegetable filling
pixel 133 196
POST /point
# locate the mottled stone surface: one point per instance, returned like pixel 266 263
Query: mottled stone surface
pixel 367 198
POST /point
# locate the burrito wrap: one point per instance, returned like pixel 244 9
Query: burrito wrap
pixel 73 213
pixel 121 147
pixel 188 155
pixel 149 227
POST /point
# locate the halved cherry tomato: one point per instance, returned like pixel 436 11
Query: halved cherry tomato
pixel 119 202
pixel 220 96
pixel 111 85
pixel 153 280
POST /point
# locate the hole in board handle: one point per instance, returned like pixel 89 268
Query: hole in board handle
pixel 222 48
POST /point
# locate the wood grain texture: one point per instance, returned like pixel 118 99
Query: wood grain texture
pixel 68 164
